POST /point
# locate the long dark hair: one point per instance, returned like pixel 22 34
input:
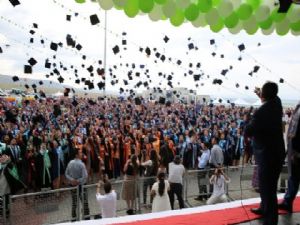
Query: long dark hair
pixel 134 163
pixel 161 183
pixel 154 159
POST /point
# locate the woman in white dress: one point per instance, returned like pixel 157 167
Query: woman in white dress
pixel 159 192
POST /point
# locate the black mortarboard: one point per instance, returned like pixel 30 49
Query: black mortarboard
pixel 166 39
pixel 94 19
pixel 178 62
pixel 60 79
pixel 137 101
pixel 68 17
pixel 240 58
pixel 53 46
pixel 230 67
pixel 84 57
pixel 217 81
pixel 255 69
pixel 31 40
pixel 116 49
pixel 191 46
pixel 196 77
pixel 26 86
pixel 90 68
pixel 66 92
pixel 163 58
pixel 32 61
pixel 100 71
pixel 32 32
pixel 41 82
pixel 15 78
pixel 250 74
pixel 27 69
pixel 246 87
pixel 35 25
pixel 198 65
pixel 191 65
pixel 213 54
pixel 212 41
pixel 77 81
pixel 33 86
pixel 47 75
pixel 281 80
pixel 1 50
pixel 258 44
pixel 222 56
pixel 223 72
pixel 42 41
pixel 148 51
pixel 169 77
pixel 124 42
pixel 78 47
pixel 14 2
pixel 241 47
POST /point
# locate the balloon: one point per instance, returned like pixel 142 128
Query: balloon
pixel 80 1
pixel 231 21
pixel 169 9
pixel 131 8
pixel 146 5
pixel 183 4
pixel 250 25
pixel 282 28
pixel 178 18
pixel 254 3
pixel 160 1
pixel 266 24
pixel 216 2
pixel 296 33
pixel 156 13
pixel 277 17
pixel 225 8
pixel 244 11
pixel 106 4
pixel 218 26
pixel 200 21
pixel 269 30
pixel 295 26
pixel 205 5
pixel 212 17
pixel 192 12
pixel 262 13
pixel 120 3
pixel 294 13
pixel 236 29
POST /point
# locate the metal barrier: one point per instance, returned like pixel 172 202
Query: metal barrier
pixel 79 203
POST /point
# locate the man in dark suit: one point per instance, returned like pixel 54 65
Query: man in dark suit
pixel 266 129
pixel 293 138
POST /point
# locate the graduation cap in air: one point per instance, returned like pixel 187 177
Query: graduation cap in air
pixel 70 41
pixel 196 77
pixel 281 80
pixel 60 79
pixel 15 78
pixel 137 101
pixel 246 87
pixel 224 72
pixel 101 85
pixel 32 61
pixel 166 39
pixel 42 41
pixel 27 69
pixel 14 2
pixel 32 32
pixel 68 17
pixel 100 72
pixel 90 68
pixel 163 58
pixel 179 62
pixel 124 42
pixel 53 46
pixel 241 47
pixel 116 49
pixel 191 46
pixel 222 56
pixel 26 86
pixel 240 58
pixel 255 69
pixel 78 47
pixel 41 82
pixel 66 92
pixel 212 42
pixel 162 100
pixel 94 19
pixel 148 51
pixel 31 40
pixel 35 25
pixel 1 51
pixel 217 81
pixel 84 57
pixel 34 86
pixel 213 54
pixel 77 81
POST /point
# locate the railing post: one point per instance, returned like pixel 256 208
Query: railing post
pixel 78 202
pixel 139 189
pixel 185 186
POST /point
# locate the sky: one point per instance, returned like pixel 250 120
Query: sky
pixel 278 57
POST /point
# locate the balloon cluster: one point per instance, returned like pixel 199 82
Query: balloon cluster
pixel 235 15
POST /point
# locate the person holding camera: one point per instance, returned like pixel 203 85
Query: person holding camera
pixel 108 201
pixel 218 180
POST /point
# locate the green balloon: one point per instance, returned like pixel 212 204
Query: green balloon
pixel 216 2
pixel 277 17
pixel 236 29
pixel 192 12
pixel 218 26
pixel 231 21
pixel 282 28
pixel 146 5
pixel 254 3
pixel 265 25
pixel 178 18
pixel 160 1
pixel 106 4
pixel 262 13
pixel 200 21
pixel 244 11
pixel 80 1
pixel 212 17
pixel 183 4
pixel 295 26
pixel 169 9
pixel 131 8
pixel 204 5
pixel 294 13
pixel 120 3
pixel 268 31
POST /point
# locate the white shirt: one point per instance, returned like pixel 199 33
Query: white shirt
pixel 176 172
pixel 203 159
pixel 108 204
pixel 219 185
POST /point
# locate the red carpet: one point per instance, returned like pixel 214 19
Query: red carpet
pixel 215 217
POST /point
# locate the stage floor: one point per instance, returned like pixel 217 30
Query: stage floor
pixel 287 219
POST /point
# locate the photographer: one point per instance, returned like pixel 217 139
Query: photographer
pixel 218 180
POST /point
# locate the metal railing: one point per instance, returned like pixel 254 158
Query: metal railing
pixel 79 203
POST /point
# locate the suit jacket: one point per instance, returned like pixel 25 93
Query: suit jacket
pixel 266 129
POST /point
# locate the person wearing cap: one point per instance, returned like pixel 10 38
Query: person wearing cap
pixel 293 138
pixel 176 173
pixel 266 129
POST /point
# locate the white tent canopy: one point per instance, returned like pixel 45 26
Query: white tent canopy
pixel 220 101
pixel 58 94
pixel 257 103
pixel 241 102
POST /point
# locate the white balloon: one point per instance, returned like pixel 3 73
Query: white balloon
pixel 169 9
pixel 200 21
pixel 296 33
pixel 183 3
pixel 106 4
pixel 294 13
pixel 283 26
pixel 250 24
pixel 225 8
pixel 212 17
pixel 268 31
pixel 262 13
pixel 120 3
pixel 156 13
pixel 236 29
